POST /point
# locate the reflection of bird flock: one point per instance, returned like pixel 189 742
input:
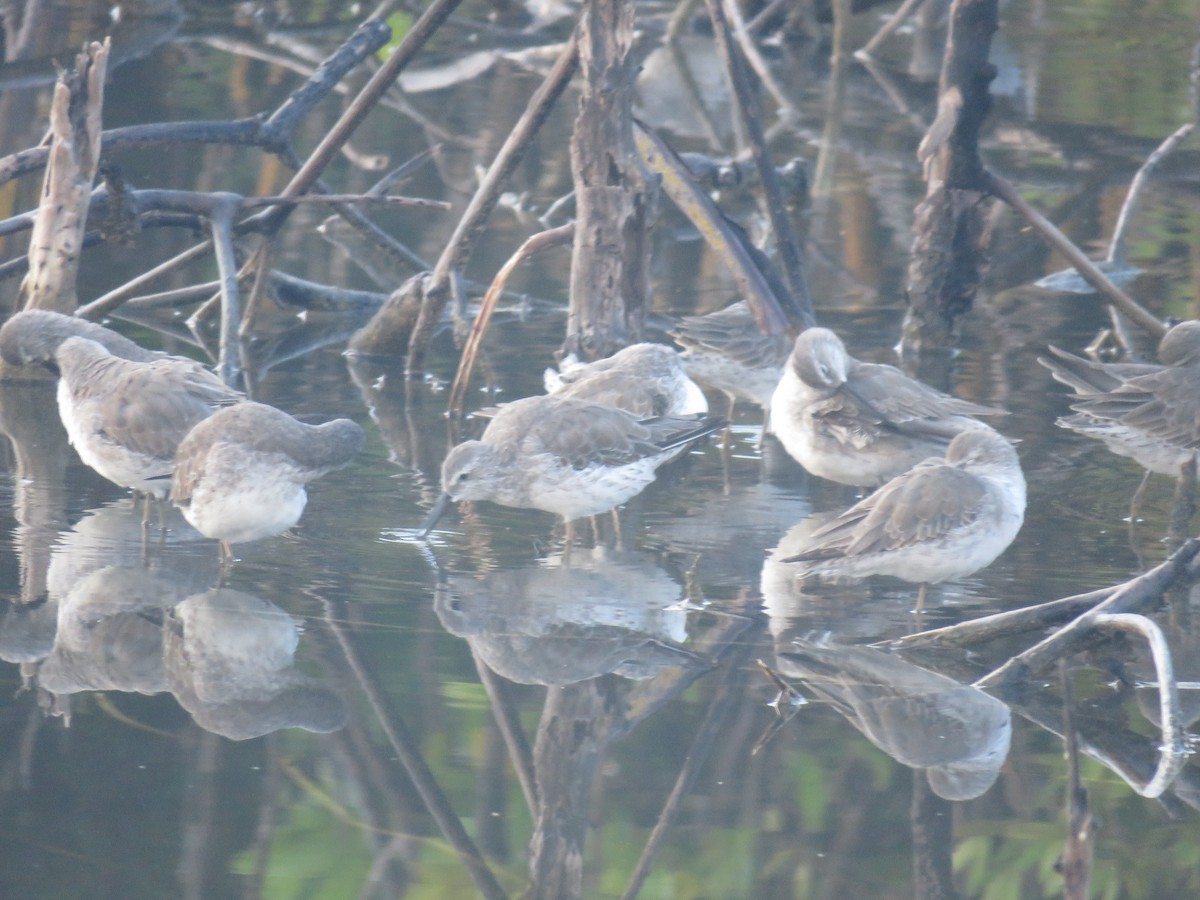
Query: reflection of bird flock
pixel 949 493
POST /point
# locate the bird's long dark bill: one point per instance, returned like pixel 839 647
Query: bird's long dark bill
pixel 439 510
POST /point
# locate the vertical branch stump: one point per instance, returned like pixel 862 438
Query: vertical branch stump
pixel 610 268
pixel 948 254
pixel 57 237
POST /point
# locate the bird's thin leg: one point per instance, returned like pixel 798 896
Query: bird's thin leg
pixel 616 520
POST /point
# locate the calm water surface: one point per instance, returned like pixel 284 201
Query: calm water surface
pixel 320 723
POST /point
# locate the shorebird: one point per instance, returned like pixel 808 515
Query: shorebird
pixel 566 457
pixel 727 351
pixel 31 338
pixel 942 520
pixel 1145 411
pixel 126 418
pixel 240 474
pixel 644 379
pixel 860 423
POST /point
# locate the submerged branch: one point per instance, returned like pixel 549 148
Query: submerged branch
pixel 1173 751
pixel 1134 595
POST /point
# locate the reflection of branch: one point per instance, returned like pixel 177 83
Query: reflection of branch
pixel 1078 852
pixel 1005 191
pixel 508 720
pixel 408 750
pixel 1173 750
pixel 723 703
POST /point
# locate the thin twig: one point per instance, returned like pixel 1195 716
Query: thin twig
pixel 1116 250
pixel 866 51
pixel 486 196
pixel 561 236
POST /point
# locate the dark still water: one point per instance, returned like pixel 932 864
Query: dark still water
pixel 352 712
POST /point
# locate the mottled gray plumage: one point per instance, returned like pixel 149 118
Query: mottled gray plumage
pixel 644 379
pixel 240 475
pixel 727 351
pixel 861 423
pixel 126 418
pixel 32 337
pixel 1145 411
pixel 567 457
pixel 943 519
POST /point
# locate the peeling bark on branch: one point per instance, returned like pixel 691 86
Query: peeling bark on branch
pixel 610 269
pixel 949 248
pixel 58 229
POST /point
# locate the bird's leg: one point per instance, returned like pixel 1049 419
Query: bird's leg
pixel 570 539
pixel 616 520
pixel 921 601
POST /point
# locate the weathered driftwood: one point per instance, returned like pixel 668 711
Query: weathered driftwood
pixel 1004 624
pixel 948 252
pixel 406 321
pixel 614 200
pixel 73 157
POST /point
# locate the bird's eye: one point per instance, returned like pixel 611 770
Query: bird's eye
pixel 463 476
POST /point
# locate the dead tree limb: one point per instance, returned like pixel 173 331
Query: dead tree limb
pixel 947 259
pixel 272 133
pixel 544 240
pixel 73 157
pixel 407 320
pixel 614 200
pixel 800 309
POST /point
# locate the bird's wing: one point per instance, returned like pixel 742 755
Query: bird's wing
pixel 924 504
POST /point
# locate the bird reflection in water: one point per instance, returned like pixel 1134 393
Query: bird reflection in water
pixel 555 624
pixel 958 735
pixel 132 623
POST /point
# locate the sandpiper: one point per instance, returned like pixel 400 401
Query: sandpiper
pixel 860 423
pixel 1145 411
pixel 126 418
pixel 32 337
pixel 644 379
pixel 727 351
pixel 240 474
pixel 943 519
pixel 567 457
